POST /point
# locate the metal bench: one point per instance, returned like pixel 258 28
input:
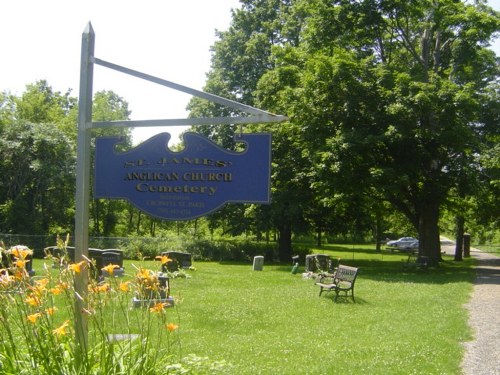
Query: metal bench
pixel 341 281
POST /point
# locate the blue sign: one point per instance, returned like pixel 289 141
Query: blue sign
pixel 187 184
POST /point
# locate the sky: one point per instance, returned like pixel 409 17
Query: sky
pixel 169 39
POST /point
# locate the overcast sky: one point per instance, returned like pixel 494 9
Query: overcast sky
pixel 169 39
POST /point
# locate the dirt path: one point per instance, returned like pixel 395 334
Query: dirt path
pixel 482 355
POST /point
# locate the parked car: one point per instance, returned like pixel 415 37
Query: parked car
pixel 403 241
pixel 408 246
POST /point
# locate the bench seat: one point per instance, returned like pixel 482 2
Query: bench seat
pixel 342 281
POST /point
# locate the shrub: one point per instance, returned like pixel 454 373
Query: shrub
pixel 236 251
pixel 138 248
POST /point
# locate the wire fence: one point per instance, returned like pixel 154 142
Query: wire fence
pixel 39 242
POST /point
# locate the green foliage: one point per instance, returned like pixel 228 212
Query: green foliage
pixel 40 104
pixel 393 106
pixel 37 160
pixel 384 111
pixel 149 248
pixel 38 178
pixel 238 251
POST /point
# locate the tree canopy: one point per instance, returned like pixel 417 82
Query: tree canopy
pixel 393 113
pixel 38 158
pixel 388 100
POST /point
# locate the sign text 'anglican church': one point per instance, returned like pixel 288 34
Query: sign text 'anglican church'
pixel 187 184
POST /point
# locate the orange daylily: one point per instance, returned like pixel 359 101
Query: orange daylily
pixel 110 268
pixel 51 310
pixel 159 307
pixel 20 263
pixel 77 267
pixel 143 273
pixel 33 317
pixel 20 274
pixel 100 288
pixel 33 300
pixel 172 327
pixel 61 331
pixel 164 259
pixel 41 283
pixel 63 285
pixel 20 252
pixel 56 290
pixel 39 286
pixel 124 286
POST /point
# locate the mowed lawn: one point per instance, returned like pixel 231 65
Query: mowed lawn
pixel 274 322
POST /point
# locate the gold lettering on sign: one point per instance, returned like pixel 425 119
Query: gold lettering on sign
pixel 150 188
pixel 152 176
pixel 203 176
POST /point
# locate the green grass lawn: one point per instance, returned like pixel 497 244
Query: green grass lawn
pixel 274 322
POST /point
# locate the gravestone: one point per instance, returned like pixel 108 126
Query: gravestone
pixel 115 257
pixel 317 262
pixel 179 260
pixel 258 263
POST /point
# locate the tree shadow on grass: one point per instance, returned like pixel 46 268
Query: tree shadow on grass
pixel 343 300
pixel 388 268
pixel 394 271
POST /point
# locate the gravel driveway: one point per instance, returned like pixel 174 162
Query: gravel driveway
pixel 482 355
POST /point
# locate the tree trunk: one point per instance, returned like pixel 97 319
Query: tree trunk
pixel 318 238
pixel 97 214
pixel 130 220
pixel 378 231
pixel 459 239
pixel 152 227
pixel 138 227
pixel 285 242
pixel 429 243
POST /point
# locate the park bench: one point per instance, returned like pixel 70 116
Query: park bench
pixel 341 281
pixel 417 262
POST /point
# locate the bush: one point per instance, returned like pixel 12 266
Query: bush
pixel 236 251
pixel 136 248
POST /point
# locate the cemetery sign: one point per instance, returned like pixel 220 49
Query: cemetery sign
pixel 187 184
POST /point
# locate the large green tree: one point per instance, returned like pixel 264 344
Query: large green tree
pixel 36 162
pixel 388 97
pixel 391 97
pixel 241 57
